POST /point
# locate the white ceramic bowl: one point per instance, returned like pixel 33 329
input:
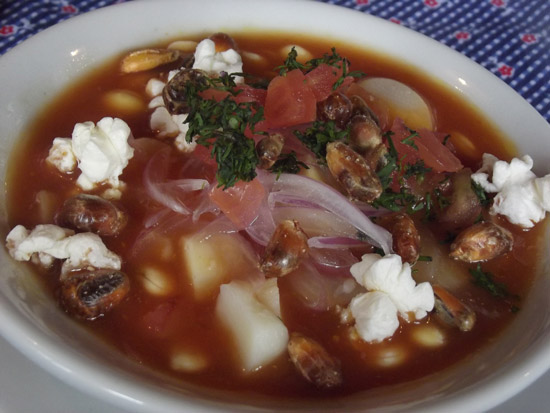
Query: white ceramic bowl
pixel 35 72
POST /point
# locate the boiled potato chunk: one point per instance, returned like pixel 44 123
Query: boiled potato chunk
pixel 213 260
pixel 259 335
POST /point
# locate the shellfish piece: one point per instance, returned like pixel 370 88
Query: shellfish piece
pixel 481 242
pixel 92 213
pixel 269 149
pixel 451 310
pixel 406 239
pixel 92 294
pixel 402 101
pixel 285 250
pixel 147 59
pixel 353 172
pixel 313 362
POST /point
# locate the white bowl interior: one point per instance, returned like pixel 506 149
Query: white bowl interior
pixel 36 71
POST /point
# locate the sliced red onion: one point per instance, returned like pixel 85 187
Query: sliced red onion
pixel 337 259
pixel 262 228
pixel 333 242
pixel 169 193
pixel 299 188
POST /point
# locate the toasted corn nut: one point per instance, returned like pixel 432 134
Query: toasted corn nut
pixel 286 248
pixel 313 362
pixel 406 239
pixel 337 108
pixel 269 149
pixel 142 60
pixel 91 213
pixel 452 311
pixel 481 242
pixel 174 93
pixel 92 294
pixel 353 172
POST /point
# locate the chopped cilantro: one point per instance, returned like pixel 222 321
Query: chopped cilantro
pixel 409 140
pixel 319 135
pixel 425 258
pixel 481 194
pixel 287 163
pixel 485 280
pixel 221 127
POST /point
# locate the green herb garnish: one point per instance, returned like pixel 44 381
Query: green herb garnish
pixel 319 135
pixel 221 127
pixel 485 280
pixel 481 194
pixel 287 163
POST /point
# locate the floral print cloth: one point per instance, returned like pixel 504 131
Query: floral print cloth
pixel 510 38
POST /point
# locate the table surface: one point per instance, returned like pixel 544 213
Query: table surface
pixel 510 38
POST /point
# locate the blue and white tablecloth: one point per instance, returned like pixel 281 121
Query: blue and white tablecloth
pixel 511 38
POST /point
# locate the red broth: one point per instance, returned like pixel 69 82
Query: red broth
pixel 151 329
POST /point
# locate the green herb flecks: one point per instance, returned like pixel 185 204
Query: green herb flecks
pixel 220 126
pixel 287 163
pixel 319 135
pixel 481 194
pixel 485 280
pixel 334 59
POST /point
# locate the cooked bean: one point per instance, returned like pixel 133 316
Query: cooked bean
pixel 92 213
pixel 337 108
pixel 353 172
pixel 92 294
pixel 313 362
pixel 481 242
pixel 406 239
pixel 269 149
pixel 285 250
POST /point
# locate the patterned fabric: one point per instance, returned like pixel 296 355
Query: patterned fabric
pixel 510 38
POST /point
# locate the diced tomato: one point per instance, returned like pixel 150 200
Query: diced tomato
pixel 428 148
pixel 215 94
pixel 322 79
pixel 241 202
pixel 290 101
pixel 251 94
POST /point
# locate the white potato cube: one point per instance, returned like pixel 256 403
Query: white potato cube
pixel 259 335
pixel 214 260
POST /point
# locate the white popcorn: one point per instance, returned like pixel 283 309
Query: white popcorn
pixel 393 283
pixel 207 59
pixel 154 87
pixel 102 151
pixel 375 315
pixel 61 155
pixel 522 197
pixel 48 242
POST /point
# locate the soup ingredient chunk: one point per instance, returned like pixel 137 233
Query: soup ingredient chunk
pixel 288 245
pixel 353 172
pixel 259 335
pixel 453 311
pixel 147 59
pixel 102 152
pixel 91 294
pixel 214 62
pixel 406 239
pixel 91 213
pixel 520 196
pixel 481 242
pixel 391 290
pixel 47 242
pixel 313 362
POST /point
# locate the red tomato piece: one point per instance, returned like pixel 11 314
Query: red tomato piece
pixel 322 79
pixel 428 148
pixel 241 202
pixel 290 101
pixel 250 94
